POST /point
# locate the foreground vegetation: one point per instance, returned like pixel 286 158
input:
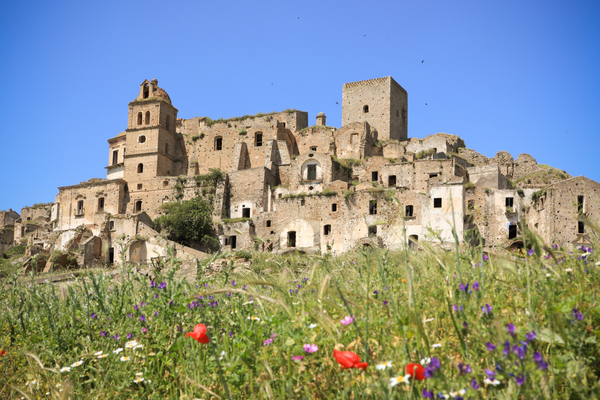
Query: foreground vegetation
pixel 429 324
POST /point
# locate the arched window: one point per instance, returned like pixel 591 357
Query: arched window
pixel 366 108
pixel 147 121
pixel 139 118
pixel 138 206
pixel 219 143
pixel 146 91
pixel 166 148
pixel 168 123
pixel 311 171
pixel 140 168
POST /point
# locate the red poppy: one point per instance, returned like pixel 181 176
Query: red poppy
pixel 199 334
pixel 417 371
pixel 348 359
pixel 2 353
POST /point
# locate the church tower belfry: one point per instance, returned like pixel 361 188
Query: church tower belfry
pixel 152 147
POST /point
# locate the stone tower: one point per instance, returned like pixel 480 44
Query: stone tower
pixel 381 102
pixel 151 146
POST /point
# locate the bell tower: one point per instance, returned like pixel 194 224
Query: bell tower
pixel 152 145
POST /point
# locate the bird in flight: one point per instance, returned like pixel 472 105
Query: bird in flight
pixel 422 61
pixel 337 103
pixel 425 103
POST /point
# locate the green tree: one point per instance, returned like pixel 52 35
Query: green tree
pixel 190 223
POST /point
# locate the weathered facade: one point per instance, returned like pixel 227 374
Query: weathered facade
pixel 278 184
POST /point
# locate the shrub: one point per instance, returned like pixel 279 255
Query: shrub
pixel 329 192
pixel 189 223
pixel 469 185
pixel 246 255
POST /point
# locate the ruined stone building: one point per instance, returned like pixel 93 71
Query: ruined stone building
pixel 280 183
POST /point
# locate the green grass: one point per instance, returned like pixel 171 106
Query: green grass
pixel 406 306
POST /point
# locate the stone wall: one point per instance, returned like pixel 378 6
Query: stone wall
pixel 381 102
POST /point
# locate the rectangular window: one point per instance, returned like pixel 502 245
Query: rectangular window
pixel 327 229
pixel 392 180
pixel 268 223
pixel 374 176
pixel 218 143
pixel 245 213
pixel 101 204
pixel 80 207
pixel 302 202
pixel 437 202
pixel 373 231
pixel 409 211
pixel 115 157
pixel 373 207
pixel 580 200
pixel 139 186
pixel 512 231
pixel 291 242
pixel 580 227
pixel 311 172
pixel 111 255
pixel 433 175
pixel 509 202
pixel 232 241
pixel 111 225
pixel 334 207
pixel 259 139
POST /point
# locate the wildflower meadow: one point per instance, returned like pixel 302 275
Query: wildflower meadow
pixel 373 324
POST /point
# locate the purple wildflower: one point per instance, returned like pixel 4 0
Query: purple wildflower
pixel 162 285
pixel 520 351
pixel 511 328
pixel 102 333
pixel 464 288
pixel 152 283
pixel 143 318
pixel 465 368
pixel 129 335
pixel 490 346
pixel 136 308
pixel 297 358
pixel 506 349
pixel 267 342
pixel 144 330
pixel 233 282
pixel 577 314
pixel 530 335
pixel 156 296
pixel 116 337
pixel 531 251
pixel 474 384
pixel 520 379
pixel 156 313
pixel 491 374
pixel 93 316
pixel 375 292
pixel 427 394
pixel 485 257
pixel 476 286
pixel 435 363
pixel 230 334
pixel 487 309
pixel 543 365
pixel 385 302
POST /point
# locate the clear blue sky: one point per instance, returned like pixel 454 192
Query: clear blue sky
pixel 521 76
